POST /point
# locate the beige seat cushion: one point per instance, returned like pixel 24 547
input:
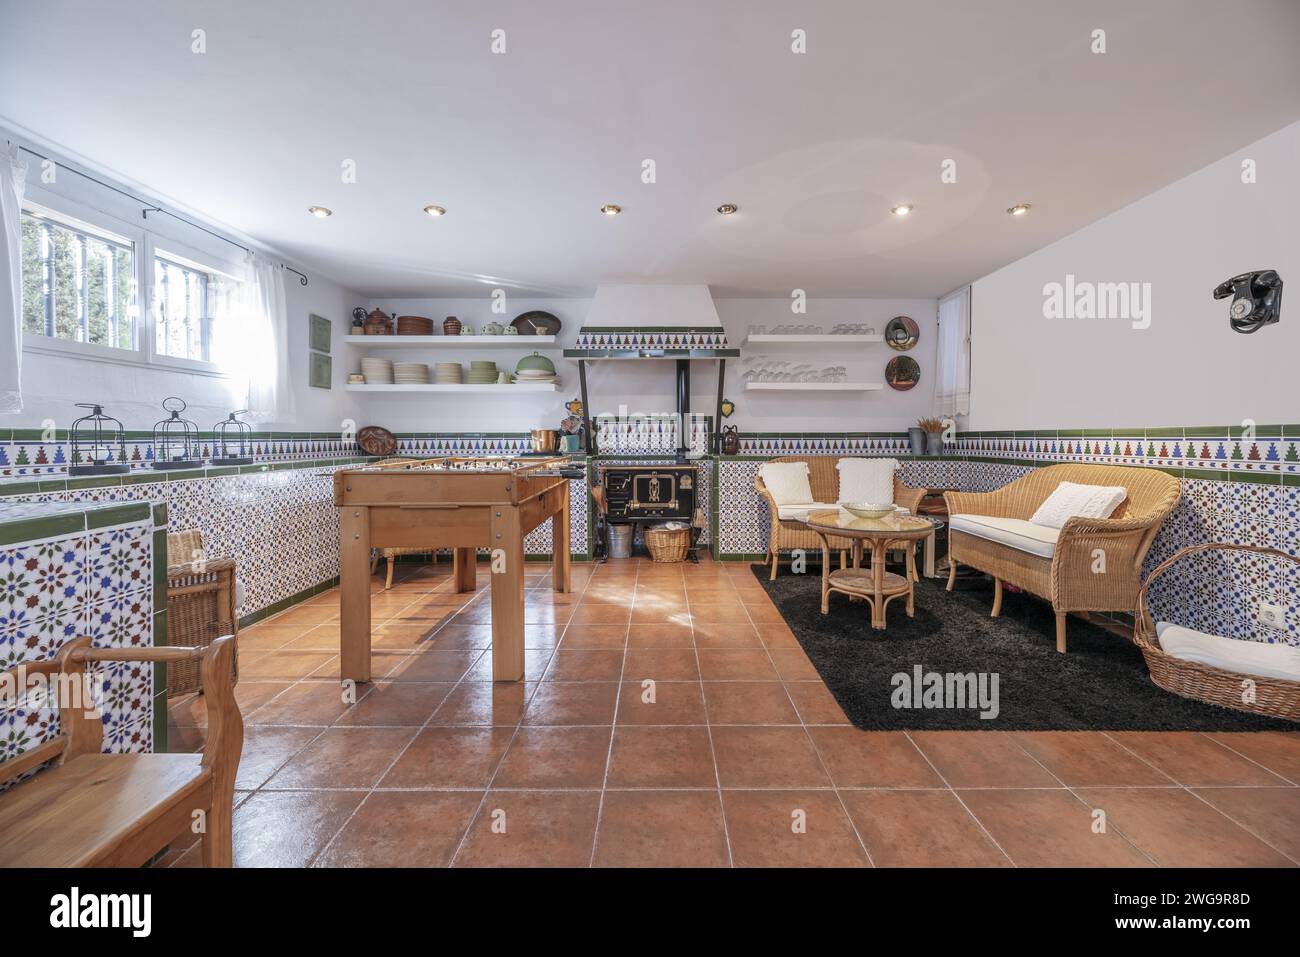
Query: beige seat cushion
pixel 1015 532
pixel 799 513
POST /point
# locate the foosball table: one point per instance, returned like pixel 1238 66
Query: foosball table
pixel 461 503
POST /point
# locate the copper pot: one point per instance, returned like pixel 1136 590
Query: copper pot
pixel 545 440
pixel 378 324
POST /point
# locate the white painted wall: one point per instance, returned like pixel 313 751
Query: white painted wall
pixel 132 391
pixel 1188 367
pixel 648 386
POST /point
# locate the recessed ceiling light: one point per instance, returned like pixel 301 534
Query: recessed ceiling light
pixel 726 209
pixel 902 209
pixel 611 209
pixel 320 212
pixel 1019 209
pixel 435 210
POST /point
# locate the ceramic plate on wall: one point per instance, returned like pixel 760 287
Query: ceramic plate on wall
pixel 376 440
pixel 902 373
pixel 536 323
pixel 902 333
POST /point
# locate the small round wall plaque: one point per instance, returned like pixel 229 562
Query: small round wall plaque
pixel 902 373
pixel 902 333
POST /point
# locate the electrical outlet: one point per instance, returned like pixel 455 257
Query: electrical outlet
pixel 1272 615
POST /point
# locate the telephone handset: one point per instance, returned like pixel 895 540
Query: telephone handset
pixel 1256 302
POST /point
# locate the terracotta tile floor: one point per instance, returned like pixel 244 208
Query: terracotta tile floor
pixel 670 718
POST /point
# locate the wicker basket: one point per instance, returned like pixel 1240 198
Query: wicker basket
pixel 668 544
pixel 1274 697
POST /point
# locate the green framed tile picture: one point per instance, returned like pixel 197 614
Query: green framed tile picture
pixel 320 370
pixel 318 333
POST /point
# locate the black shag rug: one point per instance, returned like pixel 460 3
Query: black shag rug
pixel 1100 684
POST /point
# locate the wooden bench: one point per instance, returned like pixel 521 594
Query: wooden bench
pixel 91 809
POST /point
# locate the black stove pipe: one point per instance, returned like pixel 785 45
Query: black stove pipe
pixel 683 405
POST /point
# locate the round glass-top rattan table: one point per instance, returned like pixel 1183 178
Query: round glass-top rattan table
pixel 877 586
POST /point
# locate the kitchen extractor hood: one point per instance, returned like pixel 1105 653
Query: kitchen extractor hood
pixel 651 321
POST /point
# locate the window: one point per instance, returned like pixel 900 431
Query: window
pixel 79 283
pixel 192 308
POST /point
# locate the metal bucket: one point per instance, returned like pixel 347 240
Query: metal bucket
pixel 620 541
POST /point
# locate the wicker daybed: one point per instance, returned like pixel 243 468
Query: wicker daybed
pixel 1241 691
pixel 1094 564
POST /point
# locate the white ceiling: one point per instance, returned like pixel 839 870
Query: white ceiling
pixel 523 148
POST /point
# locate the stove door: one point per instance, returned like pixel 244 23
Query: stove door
pixel 654 492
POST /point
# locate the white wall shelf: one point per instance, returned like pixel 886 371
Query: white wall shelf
pixel 813 386
pixel 491 387
pixel 822 339
pixel 450 342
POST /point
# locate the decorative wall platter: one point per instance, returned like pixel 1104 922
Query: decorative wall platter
pixel 902 372
pixel 902 333
pixel 376 440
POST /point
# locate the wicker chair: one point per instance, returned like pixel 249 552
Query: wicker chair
pixel 200 607
pixel 1070 578
pixel 824 478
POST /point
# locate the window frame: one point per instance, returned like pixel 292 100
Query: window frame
pixel 146 246
pixel 195 261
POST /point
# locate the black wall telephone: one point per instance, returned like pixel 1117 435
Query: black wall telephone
pixel 1256 299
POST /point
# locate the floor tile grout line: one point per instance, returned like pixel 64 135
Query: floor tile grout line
pixel 708 724
pixel 469 826
pixel 1079 797
pixel 1188 788
pixel 613 729
pixel 812 743
pixel 966 807
pixel 1247 757
pixel 360 804
pixel 408 654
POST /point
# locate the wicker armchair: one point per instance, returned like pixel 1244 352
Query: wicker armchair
pixel 1072 579
pixel 200 607
pixel 825 481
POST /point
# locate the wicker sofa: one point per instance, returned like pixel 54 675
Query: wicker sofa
pixel 1091 565
pixel 824 479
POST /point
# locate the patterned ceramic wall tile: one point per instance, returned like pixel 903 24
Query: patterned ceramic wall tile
pixel 97 583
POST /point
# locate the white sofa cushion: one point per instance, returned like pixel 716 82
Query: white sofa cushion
pixel 1071 499
pixel 788 482
pixel 866 481
pixel 1016 532
pixel 1238 655
pixel 799 513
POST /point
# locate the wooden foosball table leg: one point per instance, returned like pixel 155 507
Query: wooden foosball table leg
pixel 560 533
pixel 464 570
pixel 507 545
pixel 354 593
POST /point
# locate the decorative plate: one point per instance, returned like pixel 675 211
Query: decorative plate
pixel 536 323
pixel 728 407
pixel 902 333
pixel 902 373
pixel 376 440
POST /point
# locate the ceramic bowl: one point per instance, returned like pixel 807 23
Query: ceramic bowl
pixel 869 509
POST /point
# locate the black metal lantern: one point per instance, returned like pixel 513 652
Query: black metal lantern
pixel 175 440
pixel 232 441
pixel 98 444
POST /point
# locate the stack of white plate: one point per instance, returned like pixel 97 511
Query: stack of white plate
pixel 411 373
pixel 377 371
pixel 535 375
pixel 448 373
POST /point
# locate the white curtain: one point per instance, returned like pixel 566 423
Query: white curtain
pixel 265 322
pixel 13 180
pixel 952 389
